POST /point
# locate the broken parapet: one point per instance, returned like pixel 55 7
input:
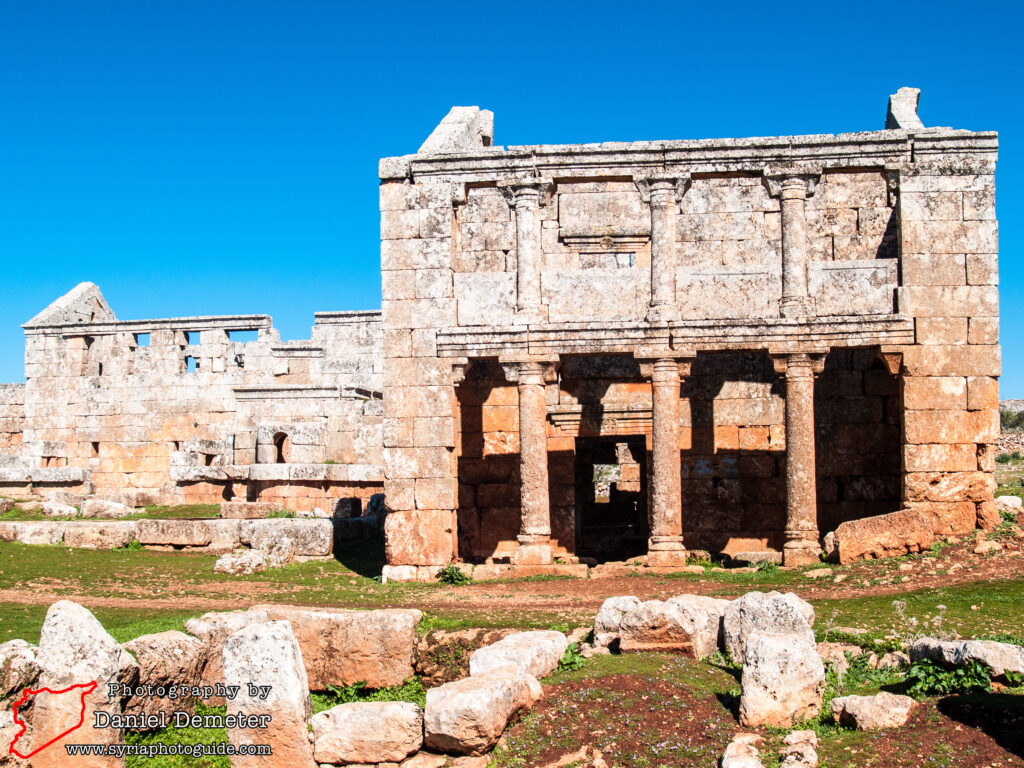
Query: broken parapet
pixel 461 129
pixel 902 112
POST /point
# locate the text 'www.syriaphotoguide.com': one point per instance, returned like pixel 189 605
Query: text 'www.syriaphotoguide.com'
pixel 165 750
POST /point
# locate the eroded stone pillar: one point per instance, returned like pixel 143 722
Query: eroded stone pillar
pixel 665 546
pixel 792 191
pixel 663 193
pixel 534 537
pixel 525 198
pixel 802 538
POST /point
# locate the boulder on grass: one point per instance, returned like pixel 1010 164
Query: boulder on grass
pixel 267 657
pixel 764 612
pixel 212 630
pixel 74 649
pixel 367 732
pixel 897 533
pixel 783 680
pixel 742 751
pixel 706 612
pixel 664 626
pixel 241 563
pixel 999 658
pixel 467 717
pixel 609 617
pixel 871 713
pixel 536 653
pixel 18 668
pixel 165 659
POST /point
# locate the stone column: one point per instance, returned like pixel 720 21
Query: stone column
pixel 535 507
pixel 525 197
pixel 802 539
pixel 792 191
pixel 665 546
pixel 662 193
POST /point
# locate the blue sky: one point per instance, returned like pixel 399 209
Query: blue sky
pixel 215 157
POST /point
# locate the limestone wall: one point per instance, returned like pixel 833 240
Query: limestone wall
pixel 898 233
pixel 12 418
pixel 183 410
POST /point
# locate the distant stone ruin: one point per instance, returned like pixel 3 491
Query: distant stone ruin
pixel 585 353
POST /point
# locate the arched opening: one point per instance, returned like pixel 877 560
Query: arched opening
pixel 282 448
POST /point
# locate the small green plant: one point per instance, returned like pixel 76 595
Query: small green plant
pixel 1003 458
pixel 1014 679
pixel 452 574
pixel 766 566
pixel 926 678
pixel 572 659
pixel 330 461
pixel 1011 421
pixel 345 694
pixel 134 545
pixel 280 513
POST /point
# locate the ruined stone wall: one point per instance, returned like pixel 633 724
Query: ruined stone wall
pixel 178 410
pixel 12 418
pixel 898 235
pixel 950 277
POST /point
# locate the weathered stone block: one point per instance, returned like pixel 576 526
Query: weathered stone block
pixel 982 393
pixel 949 300
pixel 419 537
pixel 955 486
pixel 935 392
pixel 925 427
pixel 940 458
pixel 933 269
pixel 968 360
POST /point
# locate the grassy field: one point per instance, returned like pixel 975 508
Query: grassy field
pixel 181 512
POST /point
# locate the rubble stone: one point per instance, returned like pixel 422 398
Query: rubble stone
pixel 870 713
pixel 367 732
pixel 537 653
pixel 783 680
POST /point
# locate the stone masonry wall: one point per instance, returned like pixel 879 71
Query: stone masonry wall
pixel 12 418
pixel 177 410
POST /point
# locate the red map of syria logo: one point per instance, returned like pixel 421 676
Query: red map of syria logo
pixel 84 688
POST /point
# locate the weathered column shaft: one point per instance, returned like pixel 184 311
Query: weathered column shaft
pixel 666 505
pixel 533 455
pixel 794 244
pixel 528 249
pixel 801 494
pixel 663 245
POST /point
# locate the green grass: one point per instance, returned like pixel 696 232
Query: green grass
pixel 183 736
pixel 18 620
pixel 180 512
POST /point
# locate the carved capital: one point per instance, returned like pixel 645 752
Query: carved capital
pixel 662 366
pixel 528 190
pixel 653 186
pixel 796 181
pixel 530 370
pixel 794 364
pixel 460 365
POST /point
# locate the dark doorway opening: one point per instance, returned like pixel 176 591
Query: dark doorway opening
pixel 611 497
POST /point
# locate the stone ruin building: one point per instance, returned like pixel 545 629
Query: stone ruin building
pixel 585 353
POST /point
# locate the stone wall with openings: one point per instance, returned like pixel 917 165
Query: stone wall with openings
pixel 12 418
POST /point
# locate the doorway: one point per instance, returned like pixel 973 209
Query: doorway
pixel 611 497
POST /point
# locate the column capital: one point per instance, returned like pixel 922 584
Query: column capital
pixel 459 367
pixel 794 364
pixel 660 366
pixel 892 358
pixel 791 182
pixel 655 188
pixel 530 370
pixel 525 189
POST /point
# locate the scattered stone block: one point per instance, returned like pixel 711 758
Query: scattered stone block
pixel 663 626
pixel 212 630
pixel 18 667
pixel 765 612
pixel 268 656
pixel 468 716
pixel 609 617
pixel 897 533
pixel 57 509
pixel 742 751
pixel 783 680
pixel 241 563
pixel 103 508
pixel 165 659
pixel 95 535
pixel 367 732
pixel 247 510
pixel 871 713
pixel 536 653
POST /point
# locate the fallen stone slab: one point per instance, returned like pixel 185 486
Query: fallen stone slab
pixel 897 533
pixel 1009 503
pixel 757 556
pixel 536 653
pixel 248 510
pixel 705 612
pixel 664 627
pixel 103 508
pixel 58 509
pixel 213 630
pixel 609 617
pixel 165 659
pixel 999 658
pixel 286 539
pixel 267 656
pixel 467 717
pixel 783 680
pixel 341 647
pixel 18 667
pixel 871 713
pixel 241 563
pixel 742 751
pixel 74 649
pixel 42 532
pixel 800 750
pixel 765 612
pixel 367 732
pixel 97 535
